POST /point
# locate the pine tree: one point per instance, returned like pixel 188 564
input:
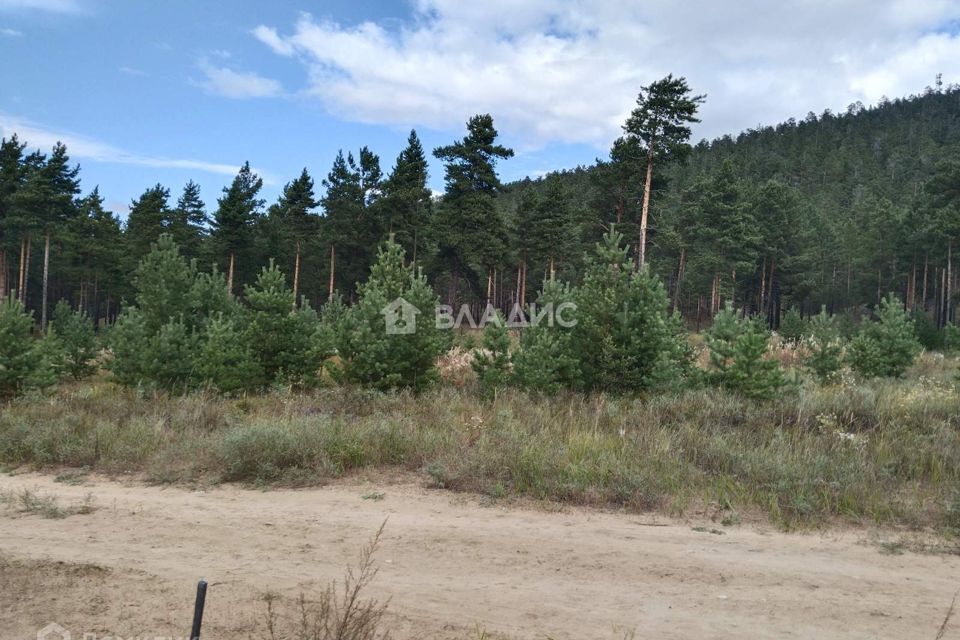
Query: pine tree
pixel 74 330
pixel 237 211
pixel 98 252
pixel 470 231
pixel 47 194
pixel 887 347
pixel 280 338
pixel 406 202
pixel 372 356
pixel 661 120
pixel 623 325
pixel 824 346
pixel 17 350
pixel 551 229
pixel 163 279
pixel 492 361
pixel 344 225
pixel 189 221
pixel 737 349
pixel 546 361
pixel 293 217
pixel 225 358
pixel 11 181
pixel 149 217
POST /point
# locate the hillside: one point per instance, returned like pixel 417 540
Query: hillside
pixel 831 208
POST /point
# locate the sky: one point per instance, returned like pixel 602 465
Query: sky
pixel 167 91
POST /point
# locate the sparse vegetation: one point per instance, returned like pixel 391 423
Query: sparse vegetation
pixel 29 501
pixel 884 451
pixel 339 612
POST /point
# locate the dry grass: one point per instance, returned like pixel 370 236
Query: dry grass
pixel 885 451
pixel 339 612
pixel 28 501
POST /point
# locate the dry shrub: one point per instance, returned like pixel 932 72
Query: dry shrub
pixel 456 367
pixel 339 612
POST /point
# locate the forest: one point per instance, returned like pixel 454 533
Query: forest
pixel 835 210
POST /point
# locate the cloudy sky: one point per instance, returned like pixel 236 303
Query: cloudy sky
pixel 146 92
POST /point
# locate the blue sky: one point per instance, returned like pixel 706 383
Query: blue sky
pixel 166 91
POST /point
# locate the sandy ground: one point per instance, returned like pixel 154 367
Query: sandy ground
pixel 449 564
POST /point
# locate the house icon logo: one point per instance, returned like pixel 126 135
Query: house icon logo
pixel 400 317
pixel 53 631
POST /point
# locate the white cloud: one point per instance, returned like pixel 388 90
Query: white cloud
pixel 569 70
pixel 82 147
pixel 226 82
pixel 10 33
pixel 54 6
pixel 131 71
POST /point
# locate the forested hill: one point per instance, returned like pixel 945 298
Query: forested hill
pixel 834 210
pixel 830 209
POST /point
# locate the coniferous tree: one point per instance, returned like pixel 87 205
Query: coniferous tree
pixel 470 231
pixel 189 221
pixel 492 361
pixel 74 331
pixel 149 217
pixel 237 211
pixel 386 360
pixel 98 253
pixel 737 349
pixel 294 222
pixel 344 208
pixel 12 175
pixel 824 347
pixel 406 202
pixel 660 121
pixel 887 347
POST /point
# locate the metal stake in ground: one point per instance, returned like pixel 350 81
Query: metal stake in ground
pixel 198 610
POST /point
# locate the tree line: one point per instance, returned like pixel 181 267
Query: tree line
pixel 833 210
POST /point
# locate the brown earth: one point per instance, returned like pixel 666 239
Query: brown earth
pixel 449 564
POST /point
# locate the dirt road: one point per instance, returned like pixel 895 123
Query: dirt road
pixel 449 565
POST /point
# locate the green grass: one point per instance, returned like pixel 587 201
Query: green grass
pixel 885 452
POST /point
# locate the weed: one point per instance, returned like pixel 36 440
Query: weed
pixel 339 612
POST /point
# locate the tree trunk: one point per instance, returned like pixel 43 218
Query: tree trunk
pixel 296 276
pixel 645 210
pixel 676 288
pixel 553 270
pixel 46 273
pixel 926 259
pixel 912 284
pixel 942 309
pixel 519 276
pixel 333 267
pixel 879 286
pixel 949 286
pixel 230 276
pixel 3 274
pixel 763 284
pixel 773 270
pixel 26 272
pixel 489 286
pixel 699 310
pixel 733 287
pixel 23 262
pixel 523 285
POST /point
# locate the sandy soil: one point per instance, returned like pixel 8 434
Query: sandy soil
pixel 449 565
